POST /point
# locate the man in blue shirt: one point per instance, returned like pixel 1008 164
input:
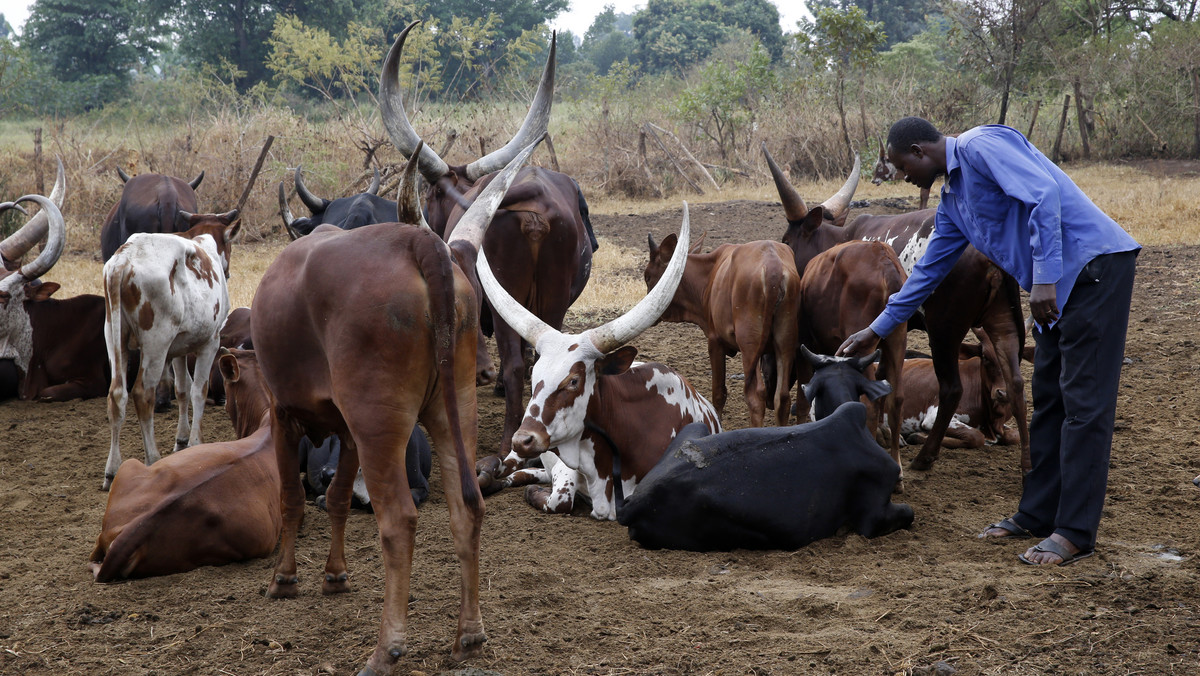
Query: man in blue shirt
pixel 1016 206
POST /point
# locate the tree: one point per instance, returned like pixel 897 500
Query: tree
pixel 677 34
pixel 314 59
pixel 844 42
pixel 82 39
pixel 608 40
pixel 723 104
pixel 901 19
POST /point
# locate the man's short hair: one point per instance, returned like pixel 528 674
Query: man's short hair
pixel 909 130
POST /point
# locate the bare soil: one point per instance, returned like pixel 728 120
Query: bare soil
pixel 569 595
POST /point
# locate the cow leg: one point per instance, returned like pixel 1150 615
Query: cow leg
pixel 943 345
pixel 183 395
pixel 485 370
pixel 753 388
pixel 286 434
pixel 559 497
pixel 891 369
pixel 118 397
pixel 512 375
pixel 199 388
pixel 1001 329
pixel 143 397
pixel 716 358
pixel 337 503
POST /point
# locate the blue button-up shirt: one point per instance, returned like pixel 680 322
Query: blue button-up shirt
pixel 1006 198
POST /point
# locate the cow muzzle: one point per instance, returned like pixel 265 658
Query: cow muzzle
pixel 530 443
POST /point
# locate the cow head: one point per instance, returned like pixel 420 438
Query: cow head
pixel 884 169
pixel 448 183
pixel 565 375
pixel 810 231
pixel 221 227
pixel 837 380
pixel 247 400
pixel 339 212
pixel 22 286
pixel 193 184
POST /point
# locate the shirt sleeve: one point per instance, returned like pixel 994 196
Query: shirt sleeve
pixel 945 246
pixel 1008 160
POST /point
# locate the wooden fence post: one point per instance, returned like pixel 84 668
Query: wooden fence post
pixel 1062 124
pixel 262 155
pixel 1081 114
pixel 1037 105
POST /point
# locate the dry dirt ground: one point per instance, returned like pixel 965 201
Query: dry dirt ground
pixel 569 595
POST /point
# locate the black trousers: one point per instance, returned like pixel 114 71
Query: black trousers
pixel 1076 374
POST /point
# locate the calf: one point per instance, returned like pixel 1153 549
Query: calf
pixel 773 488
pixel 745 298
pixel 207 505
pixel 593 408
pixel 320 465
pixel 165 295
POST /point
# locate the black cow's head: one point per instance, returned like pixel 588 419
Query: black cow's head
pixel 837 380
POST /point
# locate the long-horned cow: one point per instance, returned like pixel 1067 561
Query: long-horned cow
pixel 593 408
pixel 346 213
pixel 745 298
pixel 540 238
pixel 149 203
pixel 975 293
pixel 50 349
pixel 166 296
pixel 393 291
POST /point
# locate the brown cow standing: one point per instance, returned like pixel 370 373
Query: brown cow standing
pixel 540 238
pixel 745 298
pixel 393 292
pixel 149 203
pixel 842 288
pixel 976 293
pixel 207 505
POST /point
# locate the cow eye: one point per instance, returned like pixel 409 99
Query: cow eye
pixel 574 384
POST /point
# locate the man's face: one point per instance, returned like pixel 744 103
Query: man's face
pixel 916 165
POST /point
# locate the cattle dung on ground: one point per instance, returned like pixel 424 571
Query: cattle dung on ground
pixel 576 596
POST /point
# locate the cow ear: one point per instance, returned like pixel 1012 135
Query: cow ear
pixel 232 230
pixel 616 363
pixel 41 291
pixel 699 243
pixel 667 248
pixel 183 220
pixel 813 219
pixel 877 389
pixel 228 364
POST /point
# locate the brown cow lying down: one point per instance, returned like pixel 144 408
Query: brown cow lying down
pixel 206 505
pixel 983 409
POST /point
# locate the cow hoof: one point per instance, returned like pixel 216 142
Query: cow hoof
pixel 498 388
pixel 921 464
pixel 381 663
pixel 488 484
pixel 284 587
pixel 335 584
pixel 180 444
pixel 469 645
pixel 107 483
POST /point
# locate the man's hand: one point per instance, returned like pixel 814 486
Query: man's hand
pixel 859 344
pixel 1043 304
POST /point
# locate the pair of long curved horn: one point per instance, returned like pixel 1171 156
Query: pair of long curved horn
pixel 310 200
pixel 194 183
pixel 820 360
pixel 395 119
pixel 56 235
pixel 24 239
pixel 474 222
pixel 610 336
pixel 793 205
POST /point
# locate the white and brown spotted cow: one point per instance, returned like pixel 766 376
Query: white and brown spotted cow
pixel 166 295
pixel 592 406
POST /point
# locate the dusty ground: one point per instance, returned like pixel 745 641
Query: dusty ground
pixel 571 595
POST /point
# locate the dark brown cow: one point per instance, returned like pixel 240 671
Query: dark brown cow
pixel 207 505
pixel 745 298
pixel 886 171
pixel 149 203
pixel 50 349
pixel 842 288
pixel 976 293
pixel 540 239
pixel 390 291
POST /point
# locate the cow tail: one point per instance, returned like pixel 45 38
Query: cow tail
pixel 1012 293
pixel 434 262
pixel 587 221
pixel 112 325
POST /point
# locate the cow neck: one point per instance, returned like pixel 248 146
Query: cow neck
pixel 618 489
pixel 691 296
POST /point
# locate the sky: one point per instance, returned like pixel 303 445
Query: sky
pixel 577 19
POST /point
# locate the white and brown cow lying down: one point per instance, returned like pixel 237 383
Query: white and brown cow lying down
pixel 206 505
pixel 592 403
pixel 982 410
pixel 166 295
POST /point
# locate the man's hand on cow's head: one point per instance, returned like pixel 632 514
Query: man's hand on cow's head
pixel 859 344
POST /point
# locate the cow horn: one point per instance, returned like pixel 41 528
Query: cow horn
pixel 471 228
pixel 534 127
pixel 861 363
pixel 838 204
pixel 408 198
pixel 315 204
pixel 122 175
pixel 373 189
pixel 21 241
pixel 195 182
pixel 794 208
pixel 816 360
pixel 286 213
pixel 882 149
pixel 56 237
pixel 628 326
pixel 395 119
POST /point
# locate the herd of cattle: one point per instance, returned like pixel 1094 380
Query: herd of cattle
pixel 493 248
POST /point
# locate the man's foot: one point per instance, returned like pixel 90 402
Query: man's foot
pixel 1006 529
pixel 1055 550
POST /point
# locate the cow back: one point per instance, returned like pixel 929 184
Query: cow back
pixel 148 203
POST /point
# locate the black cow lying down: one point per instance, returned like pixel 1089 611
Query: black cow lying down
pixel 767 488
pixel 320 464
